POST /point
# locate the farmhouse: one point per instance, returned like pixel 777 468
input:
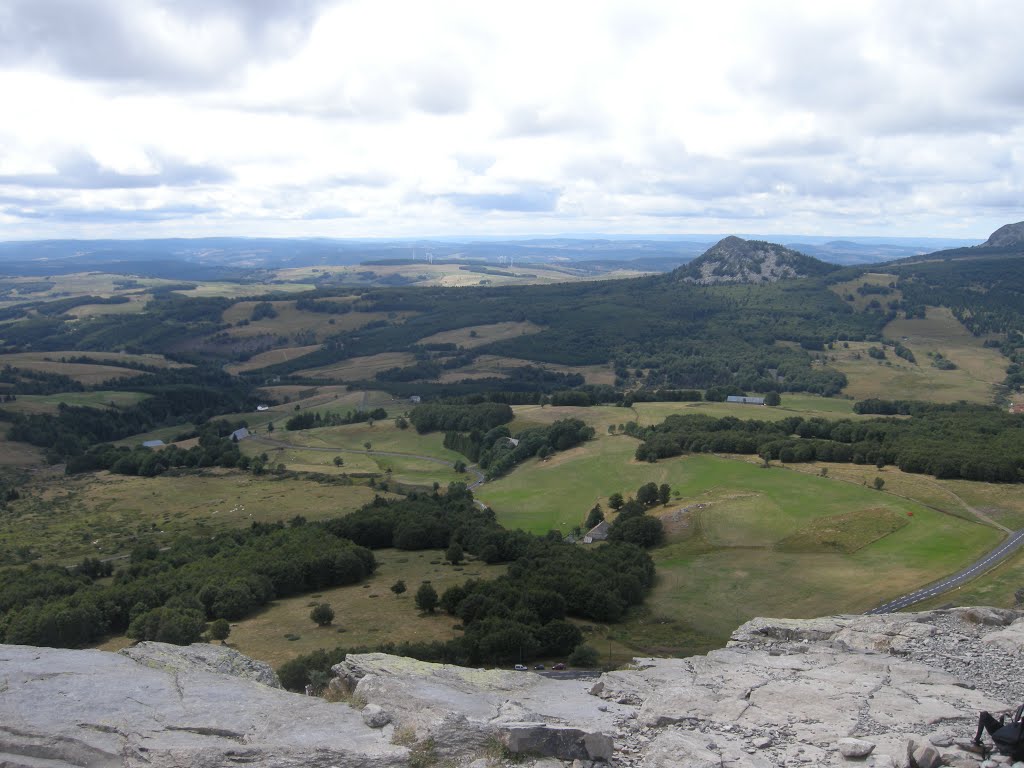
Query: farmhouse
pixel 747 400
pixel 239 434
pixel 598 533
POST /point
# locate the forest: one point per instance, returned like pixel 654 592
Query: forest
pixel 971 442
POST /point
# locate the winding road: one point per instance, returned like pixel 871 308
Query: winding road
pixel 958 579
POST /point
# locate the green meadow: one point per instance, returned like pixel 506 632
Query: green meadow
pixel 744 540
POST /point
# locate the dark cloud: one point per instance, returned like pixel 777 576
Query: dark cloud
pixel 116 40
pixel 524 201
pixel 79 170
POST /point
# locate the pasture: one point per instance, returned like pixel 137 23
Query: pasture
pixel 28 404
pixel 63 519
pixel 478 335
pixel 979 369
pixel 359 368
pixel 764 541
pixel 367 614
pixel 270 357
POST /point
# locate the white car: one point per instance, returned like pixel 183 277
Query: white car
pixel 521 668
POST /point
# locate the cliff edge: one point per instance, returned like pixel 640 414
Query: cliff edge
pixel 892 690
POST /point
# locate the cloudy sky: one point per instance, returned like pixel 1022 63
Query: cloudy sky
pixel 149 118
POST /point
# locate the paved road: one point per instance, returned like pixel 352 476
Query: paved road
pixel 281 444
pixel 986 563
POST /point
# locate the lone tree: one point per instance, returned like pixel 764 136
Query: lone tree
pixel 615 501
pixel 322 614
pixel 338 461
pixel 772 398
pixel 219 630
pixel 647 494
pixel 426 598
pixel 879 483
pixel 595 516
pixel 664 493
pixel 454 554
pixel 398 587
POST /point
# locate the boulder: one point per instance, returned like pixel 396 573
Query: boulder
pixel 555 741
pixel 855 748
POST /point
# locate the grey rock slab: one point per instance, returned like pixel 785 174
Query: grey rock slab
pixel 95 708
pixel 213 658
pixel 462 708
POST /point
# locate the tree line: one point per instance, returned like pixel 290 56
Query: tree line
pixel 972 442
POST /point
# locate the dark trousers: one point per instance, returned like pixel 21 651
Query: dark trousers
pixel 989 724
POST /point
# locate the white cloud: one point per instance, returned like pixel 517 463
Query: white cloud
pixel 392 117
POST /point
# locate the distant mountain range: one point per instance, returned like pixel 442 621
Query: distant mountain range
pixel 234 257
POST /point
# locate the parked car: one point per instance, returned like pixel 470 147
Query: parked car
pixel 559 666
pixel 520 667
pixel 538 666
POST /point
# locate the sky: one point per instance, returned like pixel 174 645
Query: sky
pixel 381 118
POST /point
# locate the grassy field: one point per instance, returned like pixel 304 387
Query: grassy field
pixel 66 518
pixel 135 304
pixel 367 614
pixel 358 368
pixel 290 320
pixel 241 290
pixel 860 303
pixel 478 335
pixel 270 357
pixel 451 274
pixel 17 455
pixel 315 449
pixel 50 403
pixel 979 369
pixel 89 374
pixel 734 558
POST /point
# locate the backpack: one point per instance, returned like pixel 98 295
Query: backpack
pixel 1009 739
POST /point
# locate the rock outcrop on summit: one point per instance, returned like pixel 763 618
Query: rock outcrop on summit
pixel 1007 236
pixel 735 260
pixel 890 690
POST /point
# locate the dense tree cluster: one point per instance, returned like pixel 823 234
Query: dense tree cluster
pixel 314 419
pixel 169 594
pixel 971 442
pixel 176 396
pixel 459 417
pixel 498 456
pixel 521 615
pixel 424 521
pixel 214 449
pixel 24 381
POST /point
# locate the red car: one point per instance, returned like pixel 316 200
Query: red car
pixel 559 666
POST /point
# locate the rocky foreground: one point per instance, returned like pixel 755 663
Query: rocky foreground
pixel 894 690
